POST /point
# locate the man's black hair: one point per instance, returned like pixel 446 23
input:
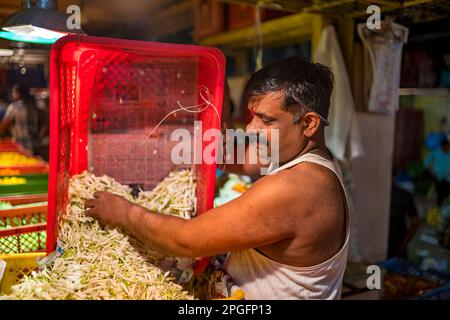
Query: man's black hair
pixel 305 85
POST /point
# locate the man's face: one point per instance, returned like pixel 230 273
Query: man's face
pixel 15 95
pixel 267 113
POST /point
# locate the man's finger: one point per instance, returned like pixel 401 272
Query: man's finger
pixel 90 213
pixel 90 203
pixel 97 194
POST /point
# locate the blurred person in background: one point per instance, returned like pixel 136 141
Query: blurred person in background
pixel 438 164
pixel 26 121
pixel 3 103
pixel 43 104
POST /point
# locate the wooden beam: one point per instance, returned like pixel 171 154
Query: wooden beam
pixel 388 6
pixel 327 5
pixel 294 27
pixel 337 8
pixel 7 11
pixel 283 5
pixel 413 3
pixel 308 6
pixel 383 3
pixel 424 91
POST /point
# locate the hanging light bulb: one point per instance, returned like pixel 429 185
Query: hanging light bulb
pixel 40 24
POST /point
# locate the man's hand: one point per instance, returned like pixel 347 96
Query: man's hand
pixel 109 208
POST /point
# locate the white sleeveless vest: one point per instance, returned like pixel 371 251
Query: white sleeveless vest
pixel 263 278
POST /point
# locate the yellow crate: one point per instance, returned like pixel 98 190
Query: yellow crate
pixel 17 266
pixel 22 264
pixel 237 295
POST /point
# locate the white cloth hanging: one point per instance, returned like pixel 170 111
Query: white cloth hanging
pixel 342 136
pixel 384 48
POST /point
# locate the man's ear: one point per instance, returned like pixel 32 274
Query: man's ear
pixel 311 123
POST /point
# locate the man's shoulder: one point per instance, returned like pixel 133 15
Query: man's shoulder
pixel 308 174
pixel 15 107
pixel 17 104
pixel 305 182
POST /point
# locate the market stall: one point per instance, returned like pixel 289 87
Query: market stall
pixel 118 92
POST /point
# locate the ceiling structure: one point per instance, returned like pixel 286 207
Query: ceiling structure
pixel 434 9
pixel 153 19
pixel 134 19
pixel 157 19
pixel 131 19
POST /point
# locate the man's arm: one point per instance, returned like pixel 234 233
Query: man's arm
pixel 257 218
pixel 7 120
pixel 4 125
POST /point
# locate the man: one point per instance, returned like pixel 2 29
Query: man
pixel 26 120
pixel 287 236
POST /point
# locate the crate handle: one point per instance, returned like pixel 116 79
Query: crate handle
pixel 23 229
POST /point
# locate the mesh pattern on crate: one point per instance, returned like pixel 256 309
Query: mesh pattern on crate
pixel 21 272
pixel 131 94
pixel 23 243
pixel 22 220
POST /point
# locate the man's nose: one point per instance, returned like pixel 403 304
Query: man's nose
pixel 251 128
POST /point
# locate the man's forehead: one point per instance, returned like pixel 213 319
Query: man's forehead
pixel 269 102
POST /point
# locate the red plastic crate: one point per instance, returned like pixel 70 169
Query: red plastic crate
pixel 22 170
pixel 24 199
pixel 107 95
pixel 9 145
